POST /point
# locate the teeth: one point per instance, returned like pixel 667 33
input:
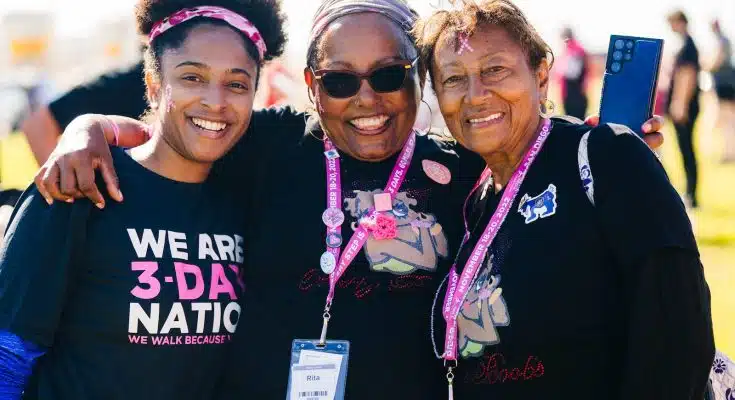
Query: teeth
pixel 370 123
pixel 209 125
pixel 486 119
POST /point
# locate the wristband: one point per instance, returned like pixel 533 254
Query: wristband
pixel 115 130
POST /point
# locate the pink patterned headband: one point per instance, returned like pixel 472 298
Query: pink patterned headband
pixel 235 20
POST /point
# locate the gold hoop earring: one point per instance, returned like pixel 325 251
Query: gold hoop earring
pixel 546 108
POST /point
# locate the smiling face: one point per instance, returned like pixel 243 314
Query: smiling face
pixel 369 126
pixel 489 96
pixel 212 86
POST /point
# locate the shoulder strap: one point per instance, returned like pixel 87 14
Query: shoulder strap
pixel 585 172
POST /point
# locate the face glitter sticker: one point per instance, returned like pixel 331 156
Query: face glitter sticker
pixel 464 43
pixel 169 100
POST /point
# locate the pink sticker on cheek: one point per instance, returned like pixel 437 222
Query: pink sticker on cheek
pixel 169 100
pixel 437 172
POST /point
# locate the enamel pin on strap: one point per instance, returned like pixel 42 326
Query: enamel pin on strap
pixel 459 285
pixel 333 261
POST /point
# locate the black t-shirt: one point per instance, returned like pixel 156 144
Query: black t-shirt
pixel 139 301
pixel 688 55
pixel 117 93
pixel 567 270
pixel 382 303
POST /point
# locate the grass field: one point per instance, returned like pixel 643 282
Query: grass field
pixel 714 222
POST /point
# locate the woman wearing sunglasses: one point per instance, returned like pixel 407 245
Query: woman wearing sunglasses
pixel 355 186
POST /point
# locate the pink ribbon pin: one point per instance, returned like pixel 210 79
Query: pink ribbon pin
pixel 464 43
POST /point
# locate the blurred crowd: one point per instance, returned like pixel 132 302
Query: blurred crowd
pixel 577 74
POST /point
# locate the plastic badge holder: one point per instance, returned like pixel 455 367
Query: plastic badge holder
pixel 309 355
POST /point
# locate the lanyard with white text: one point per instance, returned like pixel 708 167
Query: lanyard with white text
pixel 459 286
pixel 333 217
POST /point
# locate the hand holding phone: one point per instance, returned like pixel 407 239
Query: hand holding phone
pixel 631 76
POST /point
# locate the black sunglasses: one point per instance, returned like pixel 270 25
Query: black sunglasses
pixel 342 84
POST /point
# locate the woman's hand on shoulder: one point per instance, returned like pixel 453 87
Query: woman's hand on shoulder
pixel 651 129
pixel 69 172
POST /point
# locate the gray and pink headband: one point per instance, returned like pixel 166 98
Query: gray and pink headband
pixel 396 10
pixel 235 20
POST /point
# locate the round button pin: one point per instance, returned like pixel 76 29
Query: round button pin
pixel 333 217
pixel 327 262
pixel 334 240
pixel 437 172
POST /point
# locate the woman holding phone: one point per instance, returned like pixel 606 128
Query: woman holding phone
pixel 580 275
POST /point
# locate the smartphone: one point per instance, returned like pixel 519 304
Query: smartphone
pixel 631 76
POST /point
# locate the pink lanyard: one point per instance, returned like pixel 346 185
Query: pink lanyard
pixel 459 286
pixel 334 213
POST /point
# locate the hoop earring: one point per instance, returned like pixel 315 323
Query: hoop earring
pixel 317 101
pixel 546 108
pixel 321 139
pixel 431 116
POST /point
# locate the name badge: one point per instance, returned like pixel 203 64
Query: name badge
pixel 318 372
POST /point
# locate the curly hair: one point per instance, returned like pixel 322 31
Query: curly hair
pixel 466 18
pixel 266 15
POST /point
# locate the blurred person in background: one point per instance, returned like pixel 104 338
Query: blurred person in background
pixel 277 85
pixel 121 92
pixel 572 76
pixel 723 74
pixel 683 100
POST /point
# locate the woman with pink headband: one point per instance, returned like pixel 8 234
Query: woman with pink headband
pixel 354 212
pixel 142 301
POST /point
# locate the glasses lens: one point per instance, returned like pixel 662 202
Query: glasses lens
pixel 340 84
pixel 388 79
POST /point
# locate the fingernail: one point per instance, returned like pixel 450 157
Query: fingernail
pixel 646 127
pixel 119 193
pixel 100 205
pixel 49 201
